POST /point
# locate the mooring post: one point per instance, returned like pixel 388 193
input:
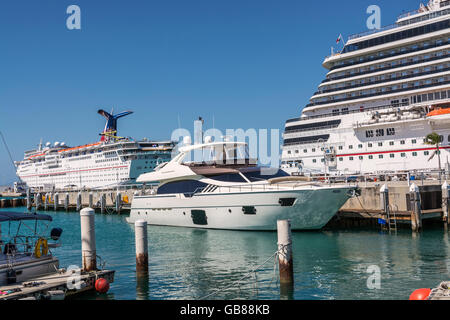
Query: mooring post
pixel 142 283
pixel 91 200
pixel 118 202
pixel 56 201
pixel 140 228
pixel 66 202
pixel 285 261
pixel 46 202
pixel 37 200
pixel 102 203
pixel 88 250
pixel 384 201
pixel 446 202
pixel 384 198
pixel 79 201
pixel 29 204
pixel 416 216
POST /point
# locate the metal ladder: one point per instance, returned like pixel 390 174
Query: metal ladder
pixel 391 217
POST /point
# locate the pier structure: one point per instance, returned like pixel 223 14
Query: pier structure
pixel 392 203
pixel 114 201
pixel 382 200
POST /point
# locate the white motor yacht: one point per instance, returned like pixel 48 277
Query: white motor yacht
pixel 232 193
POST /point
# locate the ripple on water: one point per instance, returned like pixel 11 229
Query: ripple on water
pixel 190 264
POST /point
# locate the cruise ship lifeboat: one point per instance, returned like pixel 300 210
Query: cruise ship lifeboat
pixel 439 115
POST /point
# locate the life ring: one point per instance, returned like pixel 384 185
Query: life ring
pixel 41 248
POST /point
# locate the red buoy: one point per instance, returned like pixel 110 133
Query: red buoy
pixel 101 285
pixel 420 294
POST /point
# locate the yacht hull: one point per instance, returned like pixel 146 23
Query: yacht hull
pixel 29 268
pixel 308 209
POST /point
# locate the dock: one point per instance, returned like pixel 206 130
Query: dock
pixel 55 286
pixel 368 208
pixel 365 210
pixel 108 201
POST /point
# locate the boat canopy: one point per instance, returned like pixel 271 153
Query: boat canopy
pixel 18 216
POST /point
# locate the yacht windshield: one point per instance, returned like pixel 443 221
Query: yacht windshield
pixel 259 175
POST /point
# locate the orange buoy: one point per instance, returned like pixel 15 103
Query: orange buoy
pixel 420 294
pixel 101 285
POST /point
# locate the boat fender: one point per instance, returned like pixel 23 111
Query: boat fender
pixel 41 248
pixel 55 233
pixel 101 285
pixel 420 294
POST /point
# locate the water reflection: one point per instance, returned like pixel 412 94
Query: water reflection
pixel 142 286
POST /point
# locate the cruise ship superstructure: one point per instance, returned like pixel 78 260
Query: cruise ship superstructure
pixel 109 162
pixel 383 94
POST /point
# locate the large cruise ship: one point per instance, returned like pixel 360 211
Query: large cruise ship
pixel 384 92
pixel 107 163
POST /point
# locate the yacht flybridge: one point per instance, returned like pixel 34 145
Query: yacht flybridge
pixel 225 191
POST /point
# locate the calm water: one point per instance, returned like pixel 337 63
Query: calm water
pixel 190 263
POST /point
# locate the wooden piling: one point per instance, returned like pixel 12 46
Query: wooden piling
pixel 285 261
pixel 416 215
pixel 446 202
pixel 4 203
pixel 102 203
pixel 66 202
pixel 79 201
pixel 141 241
pixel 384 198
pixel 37 200
pixel 88 250
pixel 46 202
pixel 91 200
pixel 118 202
pixel 56 201
pixel 28 199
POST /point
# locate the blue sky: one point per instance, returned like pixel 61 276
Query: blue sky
pixel 247 64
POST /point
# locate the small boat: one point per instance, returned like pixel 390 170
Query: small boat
pixel 25 254
pixel 232 193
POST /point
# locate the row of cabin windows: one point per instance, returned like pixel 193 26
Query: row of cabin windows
pixel 391 156
pixel 395 75
pixel 424 45
pixel 431 96
pixel 402 62
pixel 370 145
pixel 406 86
pixel 380 156
pixel 397 36
pixel 394 103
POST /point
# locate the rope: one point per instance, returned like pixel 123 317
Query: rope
pixel 251 272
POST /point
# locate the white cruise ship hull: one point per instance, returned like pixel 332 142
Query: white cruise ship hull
pixel 313 208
